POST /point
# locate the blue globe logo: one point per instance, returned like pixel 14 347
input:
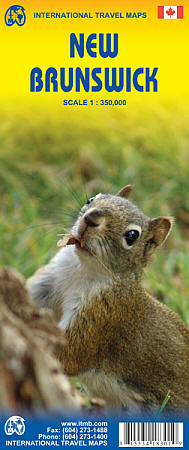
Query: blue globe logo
pixel 15 424
pixel 15 14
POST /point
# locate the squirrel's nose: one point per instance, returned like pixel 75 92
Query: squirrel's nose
pixel 93 218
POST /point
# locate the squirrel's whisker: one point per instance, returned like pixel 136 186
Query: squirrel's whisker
pixel 102 264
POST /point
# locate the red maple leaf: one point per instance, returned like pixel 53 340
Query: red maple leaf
pixel 170 12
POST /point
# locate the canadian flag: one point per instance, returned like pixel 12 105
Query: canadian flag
pixel 170 12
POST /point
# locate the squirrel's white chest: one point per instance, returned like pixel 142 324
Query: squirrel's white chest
pixel 79 278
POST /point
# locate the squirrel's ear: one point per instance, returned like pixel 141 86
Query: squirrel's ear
pixel 159 230
pixel 125 191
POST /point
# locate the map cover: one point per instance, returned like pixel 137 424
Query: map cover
pixel 94 97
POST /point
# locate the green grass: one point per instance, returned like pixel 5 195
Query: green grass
pixel 48 167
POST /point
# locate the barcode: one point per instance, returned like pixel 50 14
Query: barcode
pixel 150 434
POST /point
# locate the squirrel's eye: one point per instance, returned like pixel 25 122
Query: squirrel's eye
pixel 131 236
pixel 90 200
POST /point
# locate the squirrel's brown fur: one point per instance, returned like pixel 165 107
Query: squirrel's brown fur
pixel 126 346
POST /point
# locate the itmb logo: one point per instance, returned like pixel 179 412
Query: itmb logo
pixel 15 14
pixel 15 424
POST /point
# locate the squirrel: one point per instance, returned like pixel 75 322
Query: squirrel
pixel 124 345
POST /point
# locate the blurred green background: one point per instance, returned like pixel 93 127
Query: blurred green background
pixel 50 166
